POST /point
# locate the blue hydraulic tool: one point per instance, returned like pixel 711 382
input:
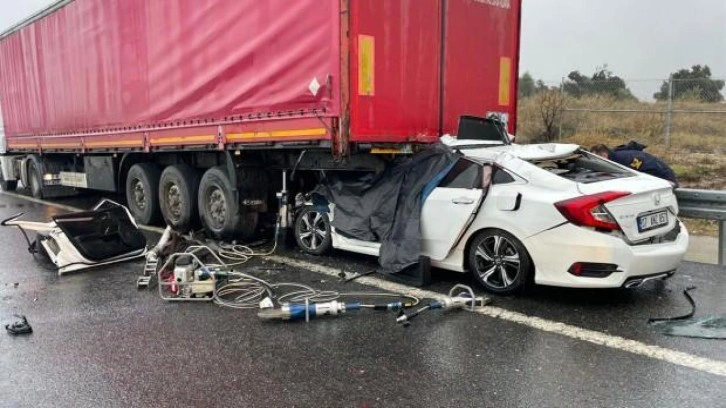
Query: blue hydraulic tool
pixel 308 310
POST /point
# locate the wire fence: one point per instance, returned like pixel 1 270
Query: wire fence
pixel 672 113
pixel 681 121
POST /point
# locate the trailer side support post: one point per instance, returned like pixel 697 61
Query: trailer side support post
pixel 282 230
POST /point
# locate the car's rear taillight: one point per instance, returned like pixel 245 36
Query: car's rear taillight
pixel 589 210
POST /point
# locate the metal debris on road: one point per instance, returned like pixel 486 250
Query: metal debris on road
pixel 345 278
pixel 707 327
pixel 19 327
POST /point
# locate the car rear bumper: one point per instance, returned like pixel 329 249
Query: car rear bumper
pixel 554 251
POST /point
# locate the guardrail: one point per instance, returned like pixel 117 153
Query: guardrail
pixel 705 205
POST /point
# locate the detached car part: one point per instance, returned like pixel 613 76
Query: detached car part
pixel 104 235
pixel 705 327
pixel 20 327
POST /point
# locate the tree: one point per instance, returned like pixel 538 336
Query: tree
pixel 602 82
pixel 550 103
pixel 695 82
pixel 540 86
pixel 526 85
pixel 577 85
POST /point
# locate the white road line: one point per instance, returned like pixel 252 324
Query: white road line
pixel 603 339
pixel 39 201
pixel 676 357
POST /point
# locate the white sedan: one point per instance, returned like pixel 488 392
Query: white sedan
pixel 551 213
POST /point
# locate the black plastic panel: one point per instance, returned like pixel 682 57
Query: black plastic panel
pixel 100 174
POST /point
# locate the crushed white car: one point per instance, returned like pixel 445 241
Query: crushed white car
pixel 552 213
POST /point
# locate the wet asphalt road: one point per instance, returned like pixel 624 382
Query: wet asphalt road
pixel 100 342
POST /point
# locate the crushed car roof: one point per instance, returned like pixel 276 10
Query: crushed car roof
pixel 488 150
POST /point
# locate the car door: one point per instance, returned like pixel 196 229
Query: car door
pixel 450 208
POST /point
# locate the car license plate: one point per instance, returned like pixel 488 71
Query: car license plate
pixel 652 221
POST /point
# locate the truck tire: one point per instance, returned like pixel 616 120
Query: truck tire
pixel 35 179
pixel 142 186
pixel 178 189
pixel 219 209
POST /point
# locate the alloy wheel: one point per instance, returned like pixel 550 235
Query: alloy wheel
pixel 313 230
pixel 498 262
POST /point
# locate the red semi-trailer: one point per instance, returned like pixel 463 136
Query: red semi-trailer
pixel 195 108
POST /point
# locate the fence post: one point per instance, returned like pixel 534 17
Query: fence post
pixel 722 242
pixel 669 113
pixel 562 109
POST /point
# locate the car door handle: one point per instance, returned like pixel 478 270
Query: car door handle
pixel 462 200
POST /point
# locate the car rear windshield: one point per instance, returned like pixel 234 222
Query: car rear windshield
pixel 584 167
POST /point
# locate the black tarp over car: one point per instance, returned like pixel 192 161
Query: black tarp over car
pixel 386 207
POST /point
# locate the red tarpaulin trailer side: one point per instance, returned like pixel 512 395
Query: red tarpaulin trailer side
pixel 146 74
pixel 395 74
pixel 96 64
pixel 481 60
pixel 420 64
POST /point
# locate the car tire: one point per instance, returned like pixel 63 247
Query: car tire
pixel 219 209
pixel 178 189
pixel 35 179
pixel 499 262
pixel 142 197
pixel 312 231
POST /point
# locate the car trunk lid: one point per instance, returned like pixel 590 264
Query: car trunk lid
pixel 649 210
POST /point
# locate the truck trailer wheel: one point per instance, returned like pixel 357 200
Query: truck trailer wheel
pixel 178 188
pixel 142 186
pixel 219 209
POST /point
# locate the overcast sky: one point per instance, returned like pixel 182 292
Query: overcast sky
pixel 638 39
pixel 13 11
